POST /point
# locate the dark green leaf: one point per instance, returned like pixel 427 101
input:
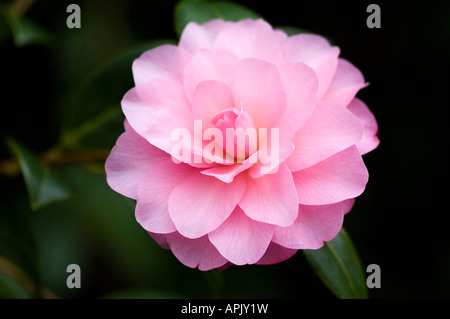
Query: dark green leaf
pixel 203 11
pixel 23 31
pixel 43 185
pixel 94 117
pixel 11 288
pixel 339 267
pixel 290 30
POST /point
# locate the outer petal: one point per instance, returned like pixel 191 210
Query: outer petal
pixel 200 204
pixel 198 37
pixel 163 62
pixel 339 177
pixel 369 140
pixel 300 83
pixel 257 87
pixel 152 209
pixel 313 226
pixel 347 81
pixel 317 53
pixel 129 161
pixel 271 198
pixel 330 129
pixel 240 239
pixel 161 239
pixel 195 252
pixel 276 254
pixel 155 109
pixel 250 38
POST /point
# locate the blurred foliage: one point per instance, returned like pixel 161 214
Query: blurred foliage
pixel 61 93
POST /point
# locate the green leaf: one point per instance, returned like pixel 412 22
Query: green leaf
pixel 23 31
pixel 94 118
pixel 290 30
pixel 43 185
pixel 203 11
pixel 339 267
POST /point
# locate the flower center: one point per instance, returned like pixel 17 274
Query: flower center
pixel 240 138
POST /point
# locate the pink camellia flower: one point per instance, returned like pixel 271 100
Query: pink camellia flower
pixel 242 145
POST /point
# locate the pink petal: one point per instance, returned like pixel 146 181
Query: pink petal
pixel 317 53
pixel 152 209
pixel 194 253
pixel 208 65
pixel 161 239
pixel 330 129
pixel 240 239
pixel 313 226
pixel 339 177
pixel 129 161
pixel 155 109
pixel 347 81
pixel 276 254
pixel 271 198
pixel 369 140
pixel 163 62
pixel 198 37
pixel 300 83
pixel 348 205
pixel 250 39
pixel 257 87
pixel 200 204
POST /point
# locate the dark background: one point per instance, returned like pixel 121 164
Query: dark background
pixel 400 222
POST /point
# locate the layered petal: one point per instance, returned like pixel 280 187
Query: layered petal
pixel 157 108
pixel 300 83
pixel 129 161
pixel 339 177
pixel 194 253
pixel 197 37
pixel 207 66
pixel 313 226
pixel 271 198
pixel 276 254
pixel 252 77
pixel 211 97
pixel 200 203
pixel 250 38
pixel 163 62
pixel 241 239
pixel 330 129
pixel 347 81
pixel 152 208
pixel 369 140
pixel 317 53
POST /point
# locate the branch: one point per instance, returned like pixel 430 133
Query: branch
pixel 12 167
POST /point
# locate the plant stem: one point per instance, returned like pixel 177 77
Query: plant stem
pixel 12 167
